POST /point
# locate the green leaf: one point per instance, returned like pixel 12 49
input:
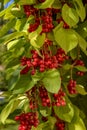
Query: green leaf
pixel 9 127
pixel 38 42
pixel 79 125
pixel 24 83
pixel 35 34
pixel 40 126
pixel 69 15
pixel 57 4
pixel 14 79
pixel 10 121
pixel 37 39
pixel 10 24
pixel 67 66
pixel 17 12
pixel 66 38
pixel 26 2
pixel 82 29
pixel 45 111
pixel 3 12
pixel 13 36
pixel 76 114
pixel 65 113
pixel 52 121
pixel 8 109
pixel 80 9
pixel 74 53
pixel 81 68
pixel 82 43
pixel 13 43
pixel 52 81
pixel 81 90
pixel 45 4
pixel 20 24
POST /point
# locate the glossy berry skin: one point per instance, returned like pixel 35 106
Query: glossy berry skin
pixel 27 120
pixel 29 10
pixel 36 63
pixel 72 87
pixel 60 125
pixel 44 97
pixel 59 98
pixel 79 63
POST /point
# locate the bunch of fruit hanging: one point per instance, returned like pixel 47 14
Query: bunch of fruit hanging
pixel 51 63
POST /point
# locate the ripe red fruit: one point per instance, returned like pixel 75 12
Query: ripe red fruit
pixel 72 87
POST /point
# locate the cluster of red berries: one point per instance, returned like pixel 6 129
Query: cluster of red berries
pixel 44 97
pixel 59 98
pixel 30 10
pixel 79 63
pixel 47 23
pixel 41 93
pixel 48 61
pixel 60 125
pixel 72 87
pixel 27 120
pixel 34 26
pixel 44 18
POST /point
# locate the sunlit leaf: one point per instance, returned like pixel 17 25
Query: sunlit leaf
pixel 52 81
pixel 69 15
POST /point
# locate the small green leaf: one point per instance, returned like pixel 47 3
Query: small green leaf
pixel 52 81
pixel 38 42
pixel 81 90
pixel 82 29
pixel 80 9
pixel 44 112
pixel 74 53
pixel 81 68
pixel 17 12
pixel 52 121
pixel 45 4
pixel 10 24
pixel 8 109
pixel 24 83
pixel 40 126
pixel 13 80
pixel 3 12
pixel 13 36
pixel 66 38
pixel 69 15
pixel 10 121
pixel 78 125
pixel 35 34
pixel 76 114
pixel 82 43
pixel 56 4
pixel 66 66
pixel 65 113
